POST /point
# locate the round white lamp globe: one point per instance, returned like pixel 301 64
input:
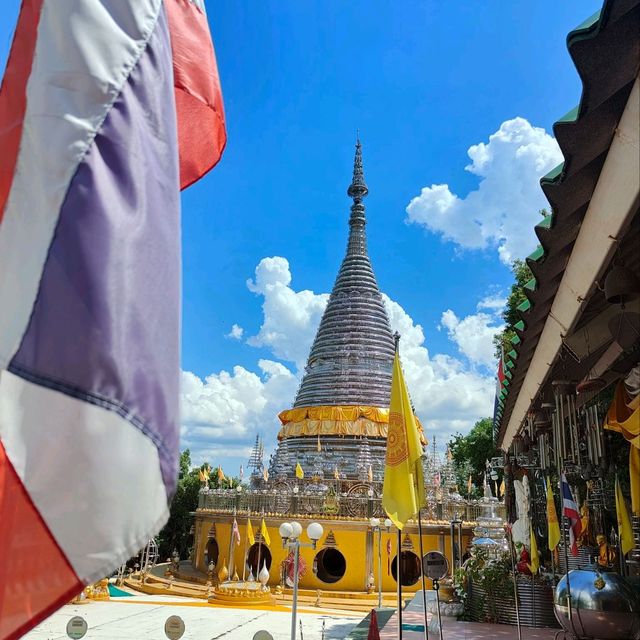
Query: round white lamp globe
pixel 286 530
pixel 297 529
pixel 388 523
pixel 314 531
pixel 375 523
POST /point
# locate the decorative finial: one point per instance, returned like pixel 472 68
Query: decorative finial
pixel 396 340
pixel 358 188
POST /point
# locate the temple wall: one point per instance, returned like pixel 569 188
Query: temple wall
pixel 353 539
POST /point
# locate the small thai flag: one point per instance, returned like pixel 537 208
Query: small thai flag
pixel 571 512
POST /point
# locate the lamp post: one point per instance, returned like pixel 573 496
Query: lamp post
pixel 290 533
pixel 376 525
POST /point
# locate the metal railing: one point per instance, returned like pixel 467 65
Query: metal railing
pixel 357 501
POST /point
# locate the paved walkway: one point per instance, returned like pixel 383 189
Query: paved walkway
pixel 143 617
pixel 413 628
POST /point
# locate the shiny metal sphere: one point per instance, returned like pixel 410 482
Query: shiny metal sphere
pixel 604 605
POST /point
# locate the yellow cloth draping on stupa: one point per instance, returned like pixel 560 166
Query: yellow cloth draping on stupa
pixel 354 420
pixel 624 417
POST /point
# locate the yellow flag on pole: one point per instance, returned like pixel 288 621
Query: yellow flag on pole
pixel 299 471
pixel 624 522
pixel 265 534
pixel 552 519
pixel 403 488
pixel 534 565
pixel 250 537
pixel 469 485
pixel 503 488
pixel 221 477
pixel 336 475
pixel 319 447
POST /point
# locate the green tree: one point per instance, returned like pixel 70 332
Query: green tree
pixel 521 275
pixel 175 534
pixel 470 454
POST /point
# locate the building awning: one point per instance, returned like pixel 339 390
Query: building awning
pixel 593 196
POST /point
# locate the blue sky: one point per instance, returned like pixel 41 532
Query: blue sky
pixel 424 82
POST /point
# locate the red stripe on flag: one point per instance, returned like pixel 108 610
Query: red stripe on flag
pixel 35 576
pixel 200 111
pixel 13 93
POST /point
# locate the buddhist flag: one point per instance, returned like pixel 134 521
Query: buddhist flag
pixel 265 533
pixel 552 519
pixel 534 556
pixel 403 488
pixel 624 522
pixel 299 471
pixel 250 537
pixel 107 109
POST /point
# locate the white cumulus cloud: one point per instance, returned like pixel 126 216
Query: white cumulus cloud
pixel 223 412
pixel 290 317
pixel 236 332
pixel 504 208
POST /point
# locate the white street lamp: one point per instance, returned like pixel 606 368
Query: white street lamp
pixel 376 525
pixel 290 533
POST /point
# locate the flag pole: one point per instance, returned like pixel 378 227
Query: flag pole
pixel 514 580
pixel 399 583
pixel 424 586
pixel 565 521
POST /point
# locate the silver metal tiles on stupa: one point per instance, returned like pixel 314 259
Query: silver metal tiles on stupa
pixel 351 357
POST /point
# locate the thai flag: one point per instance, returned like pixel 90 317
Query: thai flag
pixel 107 108
pixel 572 513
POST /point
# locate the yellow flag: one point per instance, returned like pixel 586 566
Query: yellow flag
pixel 201 475
pixel 250 537
pixel 503 488
pixel 265 534
pixel 624 522
pixel 299 471
pixel 403 488
pixel 634 474
pixel 319 445
pixel 221 477
pixel 336 475
pixel 534 565
pixel 552 519
pixel 469 485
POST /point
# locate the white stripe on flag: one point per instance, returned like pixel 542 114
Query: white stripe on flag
pixel 83 55
pixel 99 487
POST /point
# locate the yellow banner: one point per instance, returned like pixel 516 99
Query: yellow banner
pixel 552 519
pixel 265 534
pixel 250 537
pixel 403 489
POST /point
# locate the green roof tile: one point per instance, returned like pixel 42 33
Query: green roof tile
pixel 537 254
pixel 570 116
pixel 524 306
pixel 554 174
pixel 519 326
pixel 531 284
pixel 515 340
pixel 513 354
